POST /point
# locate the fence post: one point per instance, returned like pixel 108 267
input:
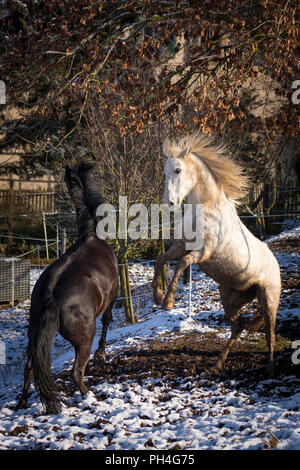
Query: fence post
pixel 45 233
pixel 57 241
pixel 126 292
pixel 187 274
pixel 190 291
pixel 131 315
pixel 162 250
pixel 39 257
pixel 64 241
pixel 11 210
pixel 2 353
pixel 12 282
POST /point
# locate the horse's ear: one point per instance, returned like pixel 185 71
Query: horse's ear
pixel 167 149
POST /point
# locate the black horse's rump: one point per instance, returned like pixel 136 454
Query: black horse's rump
pixel 70 294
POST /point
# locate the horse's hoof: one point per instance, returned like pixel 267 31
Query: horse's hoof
pixel 213 371
pixel 99 357
pixel 270 370
pixel 167 304
pixel 83 389
pixel 217 369
pixel 53 408
pixel 158 296
pixel 22 405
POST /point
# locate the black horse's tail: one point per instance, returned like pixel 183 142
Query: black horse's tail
pixel 41 358
pixel 85 223
pixel 92 196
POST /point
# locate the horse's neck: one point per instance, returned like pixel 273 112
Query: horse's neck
pixel 206 191
pixel 222 219
pixel 217 206
pixel 85 223
pixel 219 212
pixel 211 196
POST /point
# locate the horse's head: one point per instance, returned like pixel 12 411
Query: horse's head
pixel 180 176
pixel 198 169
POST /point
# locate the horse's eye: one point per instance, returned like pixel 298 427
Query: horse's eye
pixel 178 170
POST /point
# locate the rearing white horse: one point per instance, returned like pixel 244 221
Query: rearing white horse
pixel 242 265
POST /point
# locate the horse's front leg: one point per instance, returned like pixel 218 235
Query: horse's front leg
pixel 182 264
pixel 177 250
pixel 99 356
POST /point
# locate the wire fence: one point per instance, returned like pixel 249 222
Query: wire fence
pixel 140 294
pixel 14 279
pixel 131 292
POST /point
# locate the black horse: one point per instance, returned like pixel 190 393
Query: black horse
pixel 70 294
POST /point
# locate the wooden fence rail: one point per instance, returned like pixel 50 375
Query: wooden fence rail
pixel 14 202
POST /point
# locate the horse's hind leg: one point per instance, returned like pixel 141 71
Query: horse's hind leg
pixel 99 355
pixel 269 300
pixel 232 301
pixel 82 355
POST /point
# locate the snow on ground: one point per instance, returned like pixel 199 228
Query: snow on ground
pixel 151 413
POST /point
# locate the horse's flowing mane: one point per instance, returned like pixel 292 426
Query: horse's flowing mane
pixel 228 174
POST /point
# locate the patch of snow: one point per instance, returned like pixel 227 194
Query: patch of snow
pixel 196 414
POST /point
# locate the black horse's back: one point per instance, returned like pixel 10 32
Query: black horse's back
pixel 82 294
